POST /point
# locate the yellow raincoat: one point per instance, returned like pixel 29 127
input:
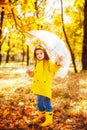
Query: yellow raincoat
pixel 43 75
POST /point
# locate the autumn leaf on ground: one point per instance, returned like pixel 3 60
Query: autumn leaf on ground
pixel 18 105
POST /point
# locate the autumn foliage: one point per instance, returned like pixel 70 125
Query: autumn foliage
pixel 18 104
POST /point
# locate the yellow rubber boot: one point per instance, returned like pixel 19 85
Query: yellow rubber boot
pixel 49 119
pixel 40 115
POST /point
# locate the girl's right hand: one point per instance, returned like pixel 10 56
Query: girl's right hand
pixel 30 73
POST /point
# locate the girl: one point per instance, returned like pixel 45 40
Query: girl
pixel 43 74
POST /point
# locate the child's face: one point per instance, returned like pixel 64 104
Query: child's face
pixel 40 54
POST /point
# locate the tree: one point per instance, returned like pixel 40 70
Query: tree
pixel 1 23
pixel 8 51
pixel 63 27
pixel 27 55
pixel 84 52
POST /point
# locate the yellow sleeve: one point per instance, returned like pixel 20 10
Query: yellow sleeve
pixel 56 67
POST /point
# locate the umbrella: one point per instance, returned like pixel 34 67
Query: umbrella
pixel 56 47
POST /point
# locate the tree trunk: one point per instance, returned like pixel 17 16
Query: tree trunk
pixel 1 23
pixel 7 57
pixel 38 14
pixel 0 55
pixel 67 41
pixel 23 54
pixel 84 52
pixel 27 55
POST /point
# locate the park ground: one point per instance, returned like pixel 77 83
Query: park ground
pixel 18 104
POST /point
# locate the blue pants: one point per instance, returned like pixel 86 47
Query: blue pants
pixel 44 104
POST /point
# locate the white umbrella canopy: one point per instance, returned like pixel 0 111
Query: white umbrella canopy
pixel 56 47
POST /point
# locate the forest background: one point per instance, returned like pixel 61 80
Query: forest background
pixel 65 18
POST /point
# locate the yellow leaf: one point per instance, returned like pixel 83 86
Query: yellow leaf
pixel 25 118
pixel 5 113
pixel 1 95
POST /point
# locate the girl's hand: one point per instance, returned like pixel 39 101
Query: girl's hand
pixel 30 73
pixel 59 60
